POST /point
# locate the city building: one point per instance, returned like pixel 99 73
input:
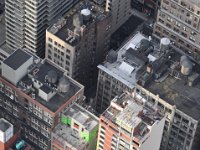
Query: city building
pixel 120 11
pixel 79 42
pixel 120 70
pixel 179 20
pixel 172 85
pixel 33 93
pixel 130 123
pixel 77 130
pixel 26 22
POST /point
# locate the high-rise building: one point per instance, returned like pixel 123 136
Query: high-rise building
pixel 27 20
pixel 33 92
pixel 120 70
pixel 130 123
pixel 79 42
pixel 179 20
pixel 77 130
pixel 172 85
pixel 120 11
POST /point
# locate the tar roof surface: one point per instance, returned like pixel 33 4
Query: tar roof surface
pixel 59 98
pixel 17 58
pixel 177 92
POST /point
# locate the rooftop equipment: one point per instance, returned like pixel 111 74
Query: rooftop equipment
pixel 186 65
pixel 164 44
pixel 52 76
pixel 64 84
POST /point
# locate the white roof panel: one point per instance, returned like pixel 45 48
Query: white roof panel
pixel 125 67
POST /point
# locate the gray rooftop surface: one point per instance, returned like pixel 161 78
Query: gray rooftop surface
pixel 4 125
pixel 176 91
pixel 17 58
pixel 59 98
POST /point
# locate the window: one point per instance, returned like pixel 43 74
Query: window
pixel 50 40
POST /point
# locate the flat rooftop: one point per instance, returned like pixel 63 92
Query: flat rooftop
pixel 64 26
pixel 132 112
pixel 173 86
pixel 4 125
pixel 16 59
pixel 128 62
pixel 81 115
pixel 39 73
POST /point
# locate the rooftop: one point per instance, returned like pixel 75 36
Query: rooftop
pixel 176 82
pixel 16 59
pixel 81 115
pixel 43 81
pixel 131 111
pixel 39 75
pixel 81 15
pixel 130 58
pixel 4 125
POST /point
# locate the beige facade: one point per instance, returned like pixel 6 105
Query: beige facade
pixel 179 20
pixel 120 10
